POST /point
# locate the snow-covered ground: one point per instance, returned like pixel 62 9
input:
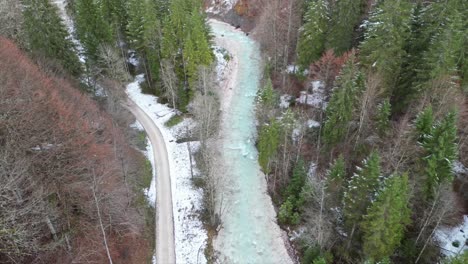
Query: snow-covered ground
pixel 190 236
pixel 453 239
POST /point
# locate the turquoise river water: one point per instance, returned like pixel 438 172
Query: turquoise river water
pixel 250 233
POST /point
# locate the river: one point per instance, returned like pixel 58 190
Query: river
pixel 249 233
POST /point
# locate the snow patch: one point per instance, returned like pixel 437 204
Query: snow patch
pixel 453 240
pixel 294 69
pixel 315 99
pixel 285 100
pixel 190 236
pixel 459 168
pixel 222 57
pixel 137 125
pixel 221 6
pixel 312 123
pixel 312 170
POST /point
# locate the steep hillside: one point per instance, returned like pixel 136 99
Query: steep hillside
pixel 67 193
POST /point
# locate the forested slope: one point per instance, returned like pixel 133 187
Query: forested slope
pixel 362 125
pixel 67 192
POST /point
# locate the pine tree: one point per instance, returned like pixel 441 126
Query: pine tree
pixel 91 28
pixel 384 224
pixel 48 36
pixel 343 101
pixel 441 150
pixel 311 42
pixel 383 47
pixel 383 117
pixel 360 191
pixel 345 17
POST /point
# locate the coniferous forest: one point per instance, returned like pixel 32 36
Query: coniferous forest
pixel 361 119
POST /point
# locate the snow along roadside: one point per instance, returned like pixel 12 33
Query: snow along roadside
pixel 189 234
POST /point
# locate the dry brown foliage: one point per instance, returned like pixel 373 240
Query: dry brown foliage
pixel 61 151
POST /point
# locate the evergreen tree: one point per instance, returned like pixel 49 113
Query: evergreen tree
pixel 297 181
pixel 441 150
pixel 268 143
pixel 416 44
pixel 144 35
pixel 290 210
pixel 336 176
pixel 91 28
pixel 343 101
pixel 346 15
pixel 386 219
pixel 186 42
pixel 311 42
pixel 441 59
pixel 360 191
pixel 383 116
pixel 48 36
pixel 267 95
pixel 424 123
pixel 383 47
pixel 115 14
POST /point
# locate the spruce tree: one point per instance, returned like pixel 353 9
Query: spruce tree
pixel 297 181
pixel 424 123
pixel 383 48
pixel 290 210
pixel 441 61
pixel 185 29
pixel 383 117
pixel 417 43
pixel 384 224
pixel 336 176
pixel 114 13
pixel 143 31
pixel 441 150
pixel 268 143
pixel 48 36
pixel 267 95
pixel 346 15
pixel 360 191
pixel 91 28
pixel 311 42
pixel 343 101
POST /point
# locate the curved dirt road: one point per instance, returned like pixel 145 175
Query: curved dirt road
pixel 165 246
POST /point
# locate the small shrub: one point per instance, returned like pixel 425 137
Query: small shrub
pixel 175 120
